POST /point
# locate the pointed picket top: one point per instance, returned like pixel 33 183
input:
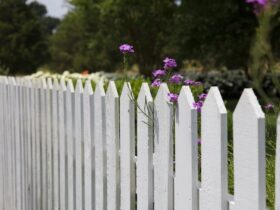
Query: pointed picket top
pixel 50 83
pixel 70 86
pixel 144 94
pixel 99 89
pixel 62 84
pixel 214 99
pixel 55 84
pixel 88 88
pixel 277 167
pixel 79 86
pixel 43 83
pixel 112 90
pixel 186 97
pixel 162 94
pixel 249 102
pixel 126 92
pixel 249 153
pixel 13 81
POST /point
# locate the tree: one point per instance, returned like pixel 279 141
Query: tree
pixel 90 35
pixel 23 36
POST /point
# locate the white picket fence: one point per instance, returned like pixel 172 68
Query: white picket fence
pixel 66 149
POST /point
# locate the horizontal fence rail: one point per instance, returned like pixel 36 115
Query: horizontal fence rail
pixel 78 148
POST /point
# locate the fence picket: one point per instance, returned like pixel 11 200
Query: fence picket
pixel 33 149
pixel 249 154
pixel 55 137
pixel 70 144
pixel 144 169
pixel 78 144
pixel 28 142
pixel 2 175
pixel 163 155
pixel 43 114
pixel 277 167
pixel 112 145
pixel 186 168
pixel 213 192
pixel 100 147
pixel 127 148
pixel 87 159
pixel 61 144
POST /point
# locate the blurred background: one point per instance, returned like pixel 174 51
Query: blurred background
pixel 224 43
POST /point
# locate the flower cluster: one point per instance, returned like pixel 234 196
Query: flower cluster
pixel 126 49
pixel 175 81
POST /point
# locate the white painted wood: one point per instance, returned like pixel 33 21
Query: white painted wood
pixel 17 150
pixel 2 172
pixel 92 116
pixel 249 154
pixel 43 115
pixel 87 146
pixel 163 156
pixel 112 145
pixel 29 147
pixel 186 154
pixel 127 148
pixel 213 192
pixel 144 169
pixel 10 130
pixel 62 139
pixel 78 145
pixel 99 122
pixel 70 144
pixel 33 148
pixel 37 146
pixel 277 168
pixel 49 145
pixel 56 185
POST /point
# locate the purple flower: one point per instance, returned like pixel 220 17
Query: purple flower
pixel 192 83
pixel 159 73
pixel 126 48
pixel 259 2
pixel 202 96
pixel 199 141
pixel 156 83
pixel 198 105
pixel 176 79
pixel 269 106
pixel 197 83
pixel 169 63
pixel 189 82
pixel 173 97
